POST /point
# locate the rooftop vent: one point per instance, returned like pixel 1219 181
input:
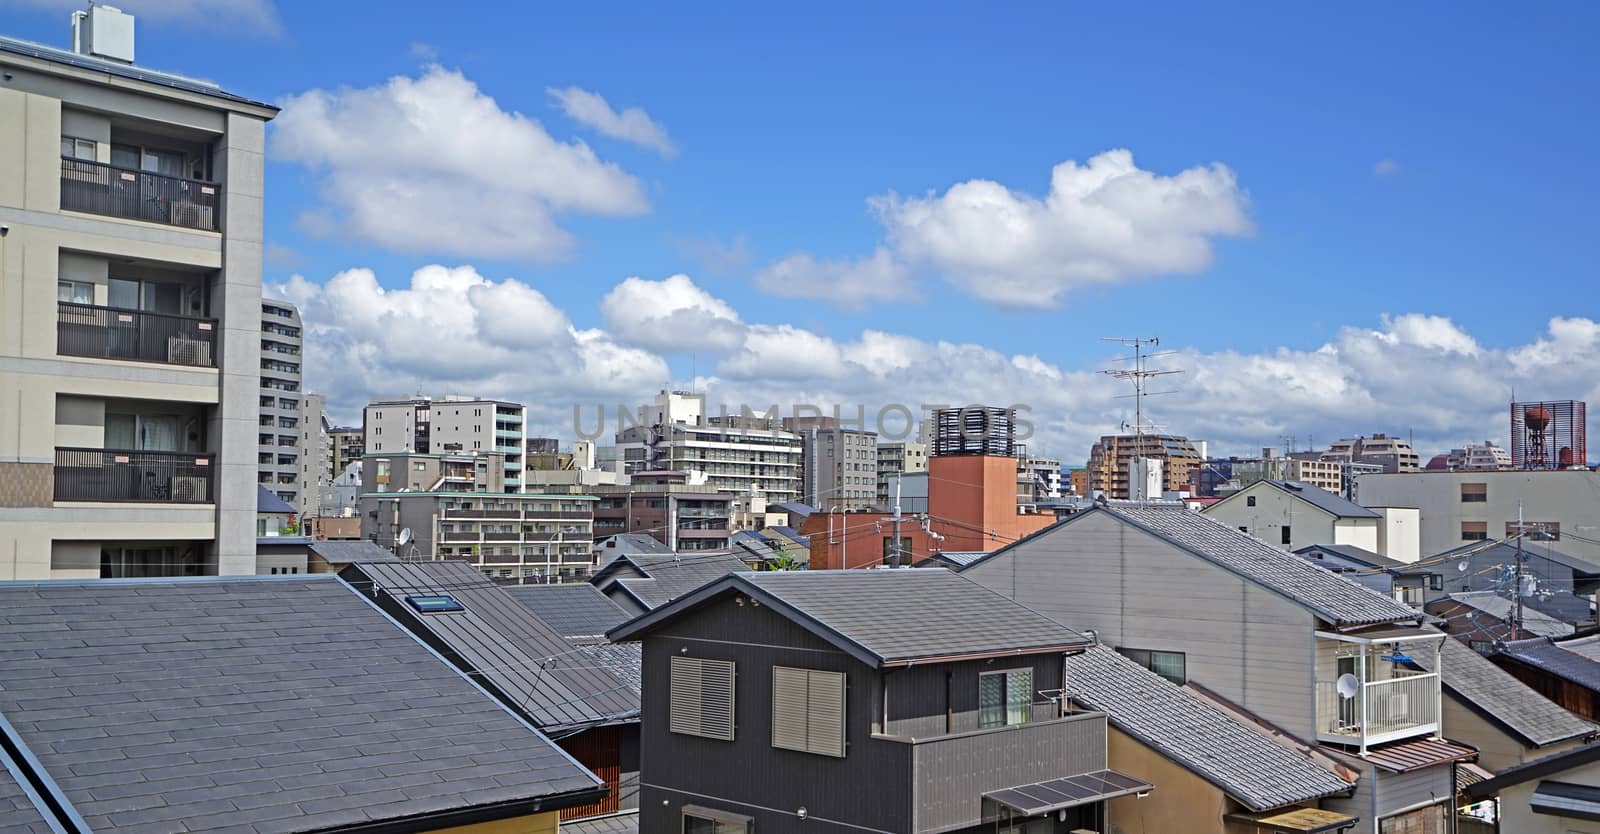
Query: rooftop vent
pixel 103 32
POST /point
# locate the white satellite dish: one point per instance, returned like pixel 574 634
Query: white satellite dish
pixel 1348 686
pixel 1461 566
pixel 405 537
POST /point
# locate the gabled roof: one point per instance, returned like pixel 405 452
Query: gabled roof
pixel 1536 769
pixel 885 617
pixel 1193 733
pixel 1499 698
pixel 795 509
pixel 345 552
pixel 1507 552
pixel 664 576
pixel 1330 503
pixel 22 810
pixel 1350 552
pixel 268 501
pixel 1547 656
pixel 1334 598
pixel 953 558
pixel 790 533
pixel 631 543
pixel 499 642
pixel 1502 608
pixel 573 610
pixel 289 702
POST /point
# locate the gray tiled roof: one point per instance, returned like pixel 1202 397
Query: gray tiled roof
pixel 629 543
pixel 1543 654
pixel 1334 598
pixel 573 609
pixel 500 643
pixel 626 822
pixel 19 813
pixel 253 705
pixel 345 552
pixel 1350 552
pixel 1324 500
pixel 622 660
pixel 1507 553
pixel 893 616
pixel 1497 696
pixel 668 576
pixel 1502 608
pixel 1185 728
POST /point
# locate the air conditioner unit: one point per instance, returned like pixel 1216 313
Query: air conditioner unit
pixel 192 215
pixel 192 352
pixel 1396 705
pixel 190 488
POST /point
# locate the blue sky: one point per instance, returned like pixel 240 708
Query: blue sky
pixel 1427 158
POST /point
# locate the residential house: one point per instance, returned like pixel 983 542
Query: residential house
pixel 1566 672
pixel 1308 651
pixel 1483 619
pixel 481 629
pixel 1553 582
pixel 274 515
pixel 1380 573
pixel 1488 708
pixel 289 704
pixel 909 701
pixel 1294 515
pixel 639 582
pixel 1555 794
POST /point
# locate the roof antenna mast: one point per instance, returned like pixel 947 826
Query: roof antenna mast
pixel 1140 375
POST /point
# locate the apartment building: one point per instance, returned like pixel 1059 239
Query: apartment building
pixel 128 403
pixel 1465 507
pixel 1272 466
pixel 280 441
pixel 906 456
pixel 447 424
pixel 1111 459
pixel 1039 479
pixel 349 444
pixel 316 457
pixel 1473 457
pixel 665 507
pixel 1394 454
pixel 736 454
pixel 838 466
pixel 521 536
pixel 419 472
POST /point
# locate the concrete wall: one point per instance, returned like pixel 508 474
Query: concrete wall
pixel 1400 533
pixel 1567 497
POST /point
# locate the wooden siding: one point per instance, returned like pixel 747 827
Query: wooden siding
pixel 1247 643
pixel 1571 696
pixel 1398 791
pixel 600 750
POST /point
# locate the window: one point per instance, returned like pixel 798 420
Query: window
pixel 75 148
pixel 1249 500
pixel 808 710
pixel 75 292
pixel 1435 581
pixel 701 698
pixel 698 820
pixel 1169 665
pixel 1474 493
pixel 1474 531
pixel 1285 534
pixel 1004 698
pixel 434 603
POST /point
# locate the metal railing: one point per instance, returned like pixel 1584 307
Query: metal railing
pixel 133 475
pixel 1381 710
pixel 98 188
pixel 114 333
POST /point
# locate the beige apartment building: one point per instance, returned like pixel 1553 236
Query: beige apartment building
pixel 129 395
pixel 440 425
pixel 280 440
pixel 907 457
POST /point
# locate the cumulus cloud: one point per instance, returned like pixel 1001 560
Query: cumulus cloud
pixel 1386 168
pixel 850 284
pixel 631 125
pixel 672 315
pixel 244 16
pixel 453 173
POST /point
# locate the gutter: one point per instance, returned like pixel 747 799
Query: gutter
pixel 497 812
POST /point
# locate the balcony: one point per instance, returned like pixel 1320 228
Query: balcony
pixel 130 475
pixel 1369 690
pixel 136 335
pixel 98 188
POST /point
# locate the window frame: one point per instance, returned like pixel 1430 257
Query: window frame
pixel 1006 695
pixel 815 684
pixel 1147 659
pixel 679 723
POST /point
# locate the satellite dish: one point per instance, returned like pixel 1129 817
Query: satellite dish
pixel 405 537
pixel 1461 566
pixel 1348 686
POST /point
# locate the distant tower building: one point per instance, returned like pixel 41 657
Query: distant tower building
pixel 1549 435
pixel 975 430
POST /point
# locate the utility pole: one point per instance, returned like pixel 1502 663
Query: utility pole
pixel 1516 590
pixel 895 542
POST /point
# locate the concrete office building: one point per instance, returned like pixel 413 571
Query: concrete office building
pixel 665 507
pixel 1303 468
pixel 839 466
pixel 1111 458
pixel 279 445
pixel 449 472
pixel 898 457
pixel 1394 454
pixel 527 537
pixel 1463 507
pixel 128 403
pixel 447 424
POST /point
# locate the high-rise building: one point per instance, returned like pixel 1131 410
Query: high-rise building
pixel 128 409
pixel 279 443
pixel 839 466
pixel 904 457
pixel 349 444
pixel 446 425
pixel 736 454
pixel 1394 454
pixel 1111 458
pixel 1549 435
pixel 316 456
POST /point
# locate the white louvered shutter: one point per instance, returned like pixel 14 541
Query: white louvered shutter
pixel 701 700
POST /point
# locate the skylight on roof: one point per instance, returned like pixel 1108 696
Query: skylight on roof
pixel 435 603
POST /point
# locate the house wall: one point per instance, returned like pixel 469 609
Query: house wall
pixel 1181 800
pixel 1398 792
pixel 1364 533
pixel 1516 815
pixel 1497 749
pixel 545 823
pixel 1274 510
pixel 1400 533
pixel 1135 590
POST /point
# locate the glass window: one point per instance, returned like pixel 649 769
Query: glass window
pixel 1249 500
pixel 1004 697
pixel 704 822
pixel 124 293
pixel 125 156
pixel 1169 665
pixel 75 292
pixel 75 148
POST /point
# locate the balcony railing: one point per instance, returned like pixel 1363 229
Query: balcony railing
pixel 98 188
pixel 132 475
pixel 1380 711
pixel 113 333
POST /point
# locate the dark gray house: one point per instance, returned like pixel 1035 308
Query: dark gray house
pixel 1553 583
pixel 898 701
pixel 638 582
pixel 1308 651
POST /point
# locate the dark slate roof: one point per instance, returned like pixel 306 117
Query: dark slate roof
pixel 796 509
pixel 1502 609
pixel 1547 656
pixel 1350 552
pixel 89 62
pixel 282 704
pixel 792 534
pixel 666 576
pixel 1499 698
pixel 345 552
pixel 630 543
pixel 622 660
pixel 955 558
pixel 1324 500
pixel 1539 768
pixel 573 609
pixel 1333 597
pixel 886 617
pixel 1507 553
pixel 1190 731
pixel 626 822
pixel 21 810
pixel 268 501
pixel 500 643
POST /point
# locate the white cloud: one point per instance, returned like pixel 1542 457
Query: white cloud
pixel 631 125
pixel 850 284
pixel 241 16
pixel 1386 168
pixel 453 172
pixel 671 316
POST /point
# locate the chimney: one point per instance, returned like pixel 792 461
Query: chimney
pixel 103 32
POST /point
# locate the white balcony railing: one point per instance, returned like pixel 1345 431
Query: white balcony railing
pixel 1380 711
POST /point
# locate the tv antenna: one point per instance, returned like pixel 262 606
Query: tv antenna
pixel 1140 375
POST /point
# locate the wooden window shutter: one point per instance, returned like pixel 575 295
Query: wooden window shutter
pixel 702 698
pixel 808 710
